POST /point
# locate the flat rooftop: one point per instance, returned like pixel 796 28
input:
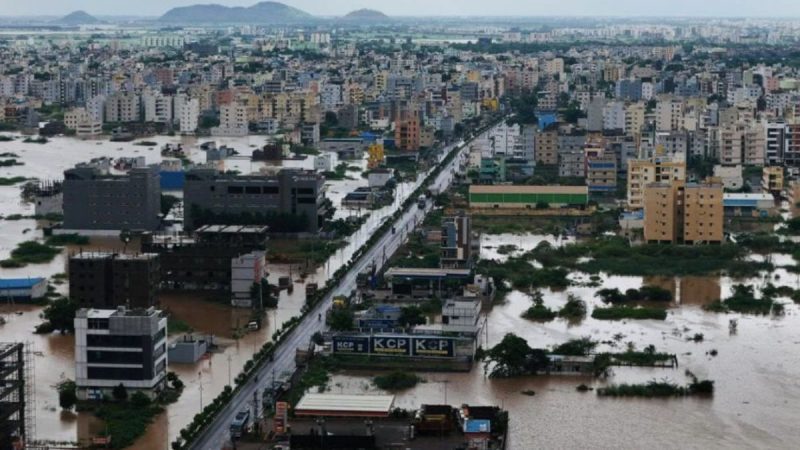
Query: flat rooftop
pixel 232 229
pixel 345 405
pixel 425 272
pixel 527 189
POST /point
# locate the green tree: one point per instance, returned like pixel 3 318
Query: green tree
pixel 120 393
pixel 341 320
pixel 509 357
pixel 60 314
pixel 67 395
pixel 410 316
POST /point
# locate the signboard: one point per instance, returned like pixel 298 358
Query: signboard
pixel 402 345
pixel 380 324
pixel 350 344
pixel 281 417
pixel 391 345
pixel 433 346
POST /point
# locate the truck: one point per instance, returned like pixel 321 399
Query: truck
pixel 240 423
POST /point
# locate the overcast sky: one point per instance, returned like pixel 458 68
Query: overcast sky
pixel 755 8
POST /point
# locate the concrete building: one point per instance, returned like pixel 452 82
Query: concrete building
pixel 108 280
pixel 407 135
pixel 669 114
pixel 15 388
pixel 461 315
pixel 601 173
pixel 119 346
pixel 291 201
pixel 681 213
pixel 232 120
pixel 187 113
pixel 456 249
pixel 99 202
pixel 644 172
pixel 22 289
pixel 122 107
pixel 520 196
pixel 749 205
pixel 772 179
pixel 247 270
pixel 731 176
pixel 83 122
pixel 326 162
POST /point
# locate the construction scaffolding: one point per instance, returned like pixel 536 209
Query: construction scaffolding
pixel 15 388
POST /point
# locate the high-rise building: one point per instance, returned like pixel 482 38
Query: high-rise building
pixel 456 250
pixel 642 173
pixel 119 346
pixel 108 280
pixel 97 201
pixel 407 135
pixel 681 213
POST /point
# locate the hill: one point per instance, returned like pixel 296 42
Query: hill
pixel 264 12
pixel 366 14
pixel 78 18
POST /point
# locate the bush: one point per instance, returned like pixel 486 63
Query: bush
pixel 396 381
pixel 574 309
pixel 67 395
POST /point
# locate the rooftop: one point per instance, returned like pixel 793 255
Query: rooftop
pixel 527 189
pixel 19 283
pixel 344 405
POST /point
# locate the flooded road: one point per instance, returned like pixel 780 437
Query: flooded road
pixel 204 380
pixel 756 370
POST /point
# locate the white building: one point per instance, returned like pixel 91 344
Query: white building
pixel 246 270
pixel 122 107
pixel 379 177
pixel 187 112
pixel 731 176
pixel 326 162
pixel 461 314
pixel 119 346
pixel 157 107
pixel 614 116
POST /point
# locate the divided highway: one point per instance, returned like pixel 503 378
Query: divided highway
pixel 216 435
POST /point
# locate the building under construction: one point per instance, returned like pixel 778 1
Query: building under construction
pixel 15 390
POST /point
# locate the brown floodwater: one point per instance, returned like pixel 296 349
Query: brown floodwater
pixel 755 372
pixel 206 379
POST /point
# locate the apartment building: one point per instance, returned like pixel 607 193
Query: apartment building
pixel 119 346
pixel 772 179
pixel 642 173
pixel 456 249
pixel 547 147
pixel 681 213
pixel 122 107
pixel 187 113
pixel 407 135
pixel 83 122
pixel 669 114
pixel 232 120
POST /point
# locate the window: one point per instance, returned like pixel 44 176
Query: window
pixel 271 190
pixel 252 190
pixel 235 190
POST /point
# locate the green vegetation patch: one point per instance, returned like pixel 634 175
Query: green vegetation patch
pixel 396 381
pixel 30 252
pixel 628 312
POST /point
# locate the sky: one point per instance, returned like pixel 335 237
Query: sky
pixel 727 8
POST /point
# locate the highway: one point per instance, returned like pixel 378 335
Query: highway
pixel 215 436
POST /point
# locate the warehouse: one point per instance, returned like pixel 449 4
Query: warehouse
pixel 516 196
pixel 22 288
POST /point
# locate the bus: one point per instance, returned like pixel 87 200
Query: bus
pixel 240 423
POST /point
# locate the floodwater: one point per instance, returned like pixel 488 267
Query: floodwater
pixel 755 372
pixel 54 360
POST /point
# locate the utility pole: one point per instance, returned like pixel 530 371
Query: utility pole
pixel 229 369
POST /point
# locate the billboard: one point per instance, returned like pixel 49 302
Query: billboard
pixel 401 345
pixel 433 346
pixel 391 345
pixel 350 344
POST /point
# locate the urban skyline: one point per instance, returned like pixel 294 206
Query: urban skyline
pixel 417 8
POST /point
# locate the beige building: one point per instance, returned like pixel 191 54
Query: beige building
pixel 642 173
pixel 684 213
pixel 772 179
pixel 547 147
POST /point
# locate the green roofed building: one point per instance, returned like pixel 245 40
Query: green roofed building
pixel 517 196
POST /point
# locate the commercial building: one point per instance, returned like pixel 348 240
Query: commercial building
pixel 289 202
pixel 456 249
pixel 108 280
pixel 119 346
pixel 684 213
pixel 522 196
pixel 206 262
pixel 22 289
pixel 644 172
pixel 247 270
pixel 97 201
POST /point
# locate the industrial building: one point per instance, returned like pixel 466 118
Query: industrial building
pixel 22 289
pixel 289 202
pixel 521 196
pixel 749 205
pixel 108 280
pixel 119 346
pixel 97 201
